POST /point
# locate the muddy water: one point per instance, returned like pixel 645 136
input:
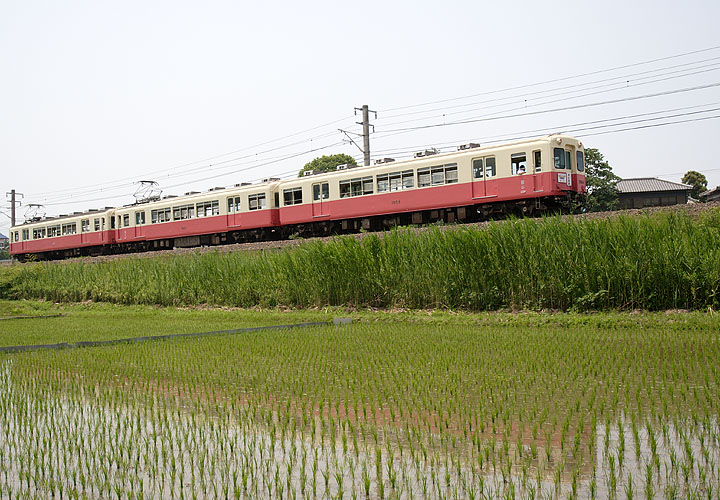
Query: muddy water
pixel 56 444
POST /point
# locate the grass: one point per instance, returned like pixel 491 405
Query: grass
pixel 436 405
pixel 97 321
pixel 104 321
pixel 668 260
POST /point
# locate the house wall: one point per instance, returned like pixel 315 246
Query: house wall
pixel 652 199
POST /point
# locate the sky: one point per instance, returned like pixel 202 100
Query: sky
pixel 97 95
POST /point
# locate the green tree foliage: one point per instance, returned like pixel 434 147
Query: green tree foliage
pixel 697 181
pixel 4 254
pixel 327 163
pixel 602 193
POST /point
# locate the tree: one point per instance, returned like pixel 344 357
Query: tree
pixel 327 163
pixel 600 180
pixel 697 181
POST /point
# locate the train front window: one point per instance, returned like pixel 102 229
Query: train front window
pixel 580 161
pixel 568 160
pixel 559 157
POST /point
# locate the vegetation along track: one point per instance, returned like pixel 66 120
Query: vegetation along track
pixel 692 209
pixel 651 259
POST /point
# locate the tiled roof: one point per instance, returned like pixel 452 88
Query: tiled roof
pixel 649 184
pixel 3 237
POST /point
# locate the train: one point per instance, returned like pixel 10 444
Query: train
pixel 475 182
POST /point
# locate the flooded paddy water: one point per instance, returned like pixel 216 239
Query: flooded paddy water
pixel 368 411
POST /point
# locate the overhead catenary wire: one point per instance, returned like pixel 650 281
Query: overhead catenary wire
pixel 175 168
pixel 484 118
pixel 554 80
pixel 542 130
pixel 617 80
pixel 524 102
pixel 270 162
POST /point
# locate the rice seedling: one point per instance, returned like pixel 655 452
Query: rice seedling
pixel 369 410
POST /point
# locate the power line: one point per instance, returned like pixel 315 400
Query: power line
pixel 554 110
pixel 295 155
pixel 624 81
pixel 529 85
pixel 152 173
pixel 545 130
pixel 618 86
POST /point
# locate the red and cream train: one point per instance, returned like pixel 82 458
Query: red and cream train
pixel 473 183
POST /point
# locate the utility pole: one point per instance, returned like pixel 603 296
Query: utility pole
pixel 13 195
pixel 366 130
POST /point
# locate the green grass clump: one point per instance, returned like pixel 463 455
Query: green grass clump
pixel 669 260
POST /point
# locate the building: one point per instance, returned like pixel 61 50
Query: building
pixel 711 194
pixel 4 241
pixel 651 192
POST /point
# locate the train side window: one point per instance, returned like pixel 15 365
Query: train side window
pixel 103 223
pixel 477 165
pixel 96 224
pixel 559 157
pixel 126 220
pixel 490 167
pixel 451 173
pixel 292 196
pixel 423 177
pixel 277 200
pixel 112 222
pixel 408 179
pixel 537 160
pixel 140 218
pixel 184 212
pixel 85 225
pixel 25 234
pixel 383 184
pixel 367 187
pixel 256 201
pixel 160 215
pixel 208 208
pixel 568 160
pixel 395 181
pixel 518 163
pixel 580 161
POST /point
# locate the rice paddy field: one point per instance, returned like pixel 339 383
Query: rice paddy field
pixel 409 405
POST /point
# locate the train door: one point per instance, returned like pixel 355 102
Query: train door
pixel 537 169
pixel 478 182
pixel 233 211
pixel 140 224
pixel 321 192
pixel 484 178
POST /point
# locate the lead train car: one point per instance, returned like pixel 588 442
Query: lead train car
pixel 474 183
